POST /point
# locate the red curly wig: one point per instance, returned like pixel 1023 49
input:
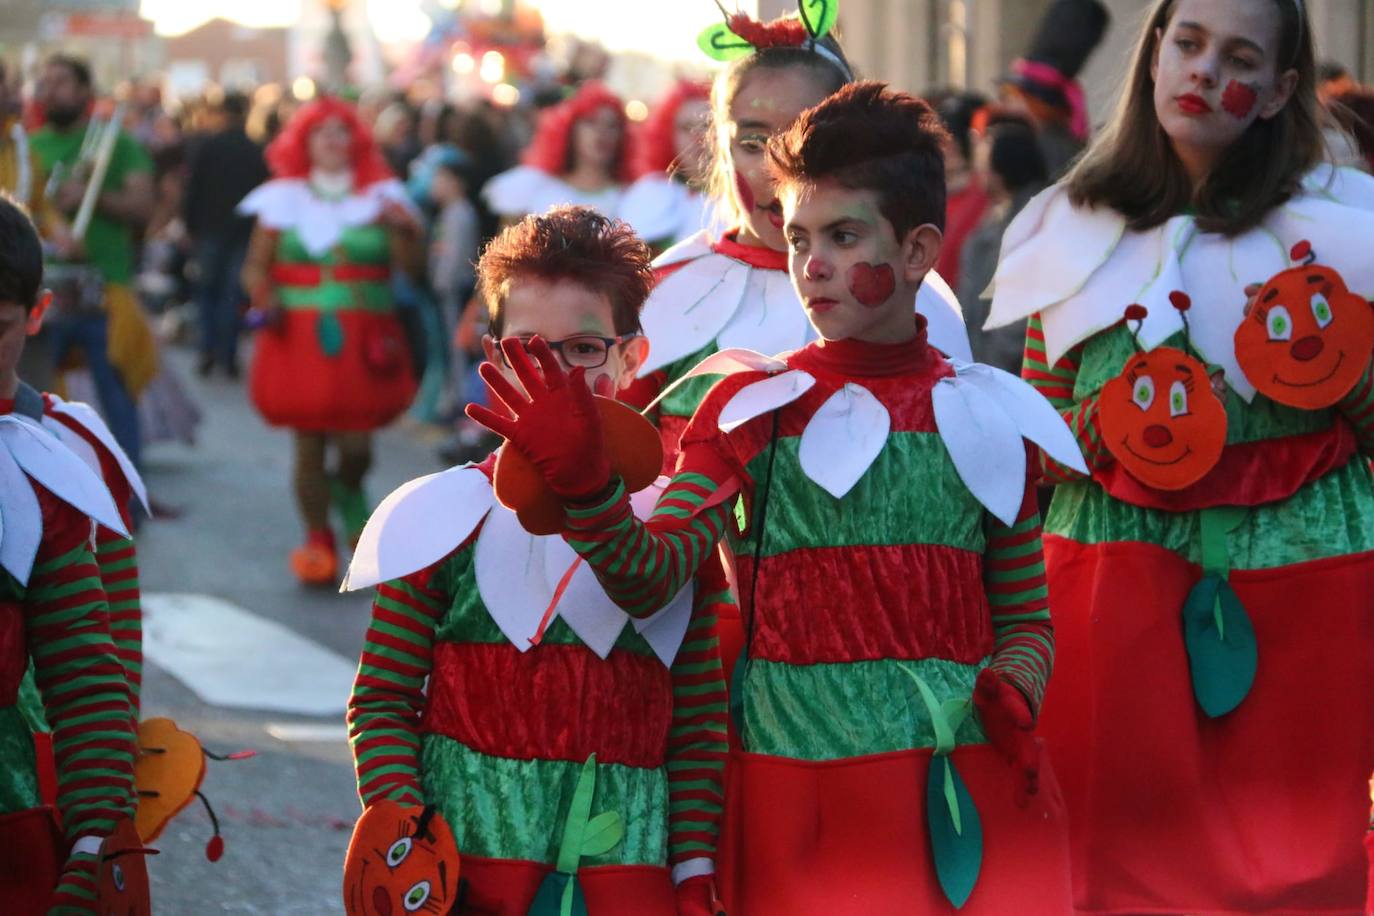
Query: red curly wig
pixel 549 150
pixel 288 156
pixel 655 150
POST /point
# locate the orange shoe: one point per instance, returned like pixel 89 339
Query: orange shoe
pixel 314 562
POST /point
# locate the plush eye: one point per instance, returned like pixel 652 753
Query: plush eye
pixel 1178 400
pixel 1321 310
pixel 1143 393
pixel 398 852
pixel 117 872
pixel 416 896
pixel 1279 323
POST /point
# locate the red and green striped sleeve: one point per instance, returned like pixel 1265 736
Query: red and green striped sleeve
pixel 388 693
pixel 643 564
pixel 117 558
pixel 1014 574
pixel 697 742
pixel 1358 407
pixel 1056 383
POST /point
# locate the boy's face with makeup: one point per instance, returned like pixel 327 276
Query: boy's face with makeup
pixel 856 279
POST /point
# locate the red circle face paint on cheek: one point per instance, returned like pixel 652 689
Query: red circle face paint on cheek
pixel 871 284
pixel 1239 99
pixel 746 196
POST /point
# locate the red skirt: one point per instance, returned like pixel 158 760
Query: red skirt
pixel 506 887
pixel 365 385
pixel 31 858
pixel 849 837
pixel 1261 810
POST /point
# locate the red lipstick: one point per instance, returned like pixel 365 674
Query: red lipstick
pixel 1193 104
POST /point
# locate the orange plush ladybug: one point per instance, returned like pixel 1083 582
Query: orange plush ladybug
pixel 1306 339
pixel 1160 417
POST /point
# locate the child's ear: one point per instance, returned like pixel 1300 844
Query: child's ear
pixel 633 354
pixel 40 308
pixel 920 251
pixel 1283 91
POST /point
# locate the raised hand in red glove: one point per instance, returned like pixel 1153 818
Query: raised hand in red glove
pixel 555 422
pixel 1009 724
pixel 697 897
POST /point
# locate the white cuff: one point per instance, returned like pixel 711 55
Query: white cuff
pixel 692 868
pixel 90 845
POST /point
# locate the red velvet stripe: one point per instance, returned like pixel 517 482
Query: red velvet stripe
pixel 917 601
pixel 1248 474
pixel 315 274
pixel 553 702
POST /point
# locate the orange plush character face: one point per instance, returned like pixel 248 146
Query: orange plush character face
pixel 1161 420
pixel 401 860
pixel 122 875
pixel 1307 339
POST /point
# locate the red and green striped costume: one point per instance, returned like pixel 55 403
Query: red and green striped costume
pixel 1259 810
pixel 60 622
pixel 498 738
pixel 907 571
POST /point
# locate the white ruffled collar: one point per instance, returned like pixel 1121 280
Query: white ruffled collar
pixel 1080 268
pixel 712 297
pixel 525 189
pixel 320 221
pixel 519 575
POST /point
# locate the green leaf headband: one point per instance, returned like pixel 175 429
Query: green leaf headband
pixel 739 35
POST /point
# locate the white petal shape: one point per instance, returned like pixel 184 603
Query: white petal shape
pixel 657 207
pixel 90 421
pixel 688 308
pixel 770 318
pixel 516 191
pixel 843 439
pixel 21 520
pixel 1035 417
pixel 585 607
pixel 689 249
pixel 1342 184
pixel 1339 235
pixel 764 396
pixel 79 446
pixel 1055 262
pixel 512 575
pixel 725 362
pixel 665 630
pixel 984 444
pixel 418 524
pixel 44 458
pixel 944 316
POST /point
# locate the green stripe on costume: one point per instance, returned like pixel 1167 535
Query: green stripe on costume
pixel 18 775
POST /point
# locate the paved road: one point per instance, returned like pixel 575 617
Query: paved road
pixel 286 814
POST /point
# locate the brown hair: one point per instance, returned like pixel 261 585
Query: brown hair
pixel 1133 169
pixel 828 74
pixel 869 137
pixel 576 244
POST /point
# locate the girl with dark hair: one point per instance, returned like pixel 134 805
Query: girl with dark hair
pixel 332 362
pixel 666 204
pixel 1230 558
pixel 580 155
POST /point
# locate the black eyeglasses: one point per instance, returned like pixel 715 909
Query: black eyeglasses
pixel 581 351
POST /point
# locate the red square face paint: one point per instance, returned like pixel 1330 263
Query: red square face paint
pixel 1239 99
pixel 871 285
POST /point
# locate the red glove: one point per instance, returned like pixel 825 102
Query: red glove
pixel 1009 725
pixel 697 897
pixel 555 423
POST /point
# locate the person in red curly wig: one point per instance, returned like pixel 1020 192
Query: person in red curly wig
pixel 667 203
pixel 331 361
pixel 580 155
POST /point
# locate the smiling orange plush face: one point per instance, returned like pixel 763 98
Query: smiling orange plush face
pixel 1307 338
pixel 1161 420
pixel 402 859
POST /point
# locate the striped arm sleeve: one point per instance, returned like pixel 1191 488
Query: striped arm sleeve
pixel 85 699
pixel 1358 408
pixel 117 558
pixel 1014 574
pixel 1056 383
pixel 388 693
pixel 642 565
pixel 697 742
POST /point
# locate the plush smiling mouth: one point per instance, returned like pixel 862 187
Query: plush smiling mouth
pixel 1187 450
pixel 1340 358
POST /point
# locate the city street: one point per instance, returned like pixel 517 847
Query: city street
pixel 214 581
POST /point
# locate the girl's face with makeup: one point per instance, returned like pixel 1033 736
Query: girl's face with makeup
pixel 1216 69
pixel 766 102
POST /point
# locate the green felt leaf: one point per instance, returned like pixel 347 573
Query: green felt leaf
pixel 330 334
pixel 559 895
pixel 944 733
pixel 819 16
pixel 604 832
pixel 1222 652
pixel 1215 524
pixel 956 832
pixel 579 811
pixel 719 43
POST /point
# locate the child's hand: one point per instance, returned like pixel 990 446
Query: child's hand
pixel 697 897
pixel 555 423
pixel 1009 724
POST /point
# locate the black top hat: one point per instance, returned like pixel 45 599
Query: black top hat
pixel 1068 33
